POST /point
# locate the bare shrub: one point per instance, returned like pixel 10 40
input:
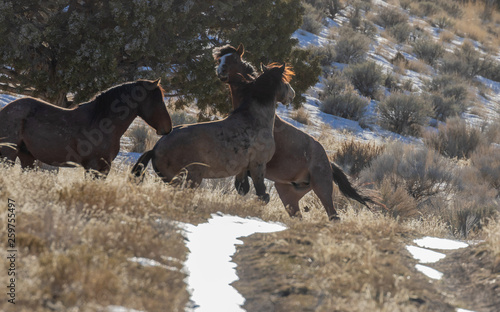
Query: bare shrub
pixel 404 113
pixel 449 96
pixel 397 200
pixel 421 171
pixel 401 32
pixel 453 8
pixel 329 8
pixel 301 115
pixel 366 77
pixel 325 54
pixel 466 216
pixel 405 4
pixel 427 8
pixel 354 155
pixel 446 36
pixel 389 17
pixel 312 19
pixel 392 82
pixel 339 98
pixel 454 139
pixel 466 61
pixel 142 138
pixel 418 66
pixel 351 47
pixel 182 118
pixel 491 131
pixel 428 50
pixel 442 21
pixel 487 161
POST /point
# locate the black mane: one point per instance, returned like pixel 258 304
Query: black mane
pixel 104 99
pixel 263 88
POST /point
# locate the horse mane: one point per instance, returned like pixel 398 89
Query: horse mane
pixel 248 69
pixel 265 84
pixel 287 74
pixel 104 99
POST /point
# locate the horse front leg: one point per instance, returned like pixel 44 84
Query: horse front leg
pixel 241 183
pixel 257 172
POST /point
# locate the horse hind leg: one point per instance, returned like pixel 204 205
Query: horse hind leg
pixel 257 172
pixel 241 183
pixel 8 154
pixel 322 186
pixel 27 159
pixel 290 196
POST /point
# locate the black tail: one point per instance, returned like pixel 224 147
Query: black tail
pixel 142 163
pixel 346 187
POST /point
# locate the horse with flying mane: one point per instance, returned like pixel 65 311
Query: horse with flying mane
pixel 88 134
pixel 241 142
pixel 299 164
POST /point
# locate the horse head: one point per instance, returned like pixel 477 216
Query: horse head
pixel 282 74
pixel 285 93
pixel 153 109
pixel 230 62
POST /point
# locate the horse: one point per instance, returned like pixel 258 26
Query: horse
pixel 300 163
pixel 243 141
pixel 88 134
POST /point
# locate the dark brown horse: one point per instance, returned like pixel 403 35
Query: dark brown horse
pixel 242 142
pixel 300 164
pixel 88 135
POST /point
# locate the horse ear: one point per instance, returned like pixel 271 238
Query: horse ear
pixel 241 49
pixel 263 68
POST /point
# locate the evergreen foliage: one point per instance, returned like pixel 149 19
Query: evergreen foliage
pixel 52 49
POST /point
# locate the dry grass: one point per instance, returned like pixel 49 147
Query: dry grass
pixel 301 115
pixel 492 241
pixel 418 66
pixel 358 264
pixel 474 23
pixel 75 236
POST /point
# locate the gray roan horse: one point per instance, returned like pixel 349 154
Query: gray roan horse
pixel 300 164
pixel 87 135
pixel 242 142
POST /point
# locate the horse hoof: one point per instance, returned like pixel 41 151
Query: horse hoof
pixel 334 218
pixel 265 198
pixel 243 187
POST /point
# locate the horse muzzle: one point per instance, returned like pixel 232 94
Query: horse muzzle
pixel 163 132
pixel 223 77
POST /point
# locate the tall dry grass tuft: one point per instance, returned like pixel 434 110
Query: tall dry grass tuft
pixel 492 241
pixel 301 115
pixel 354 156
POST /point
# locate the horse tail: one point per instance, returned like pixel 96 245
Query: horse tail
pixel 346 187
pixel 139 168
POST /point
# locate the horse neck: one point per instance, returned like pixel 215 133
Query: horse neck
pixel 119 116
pixel 264 113
pixel 236 95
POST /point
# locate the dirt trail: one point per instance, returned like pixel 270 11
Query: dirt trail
pixel 284 272
pixel 470 279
